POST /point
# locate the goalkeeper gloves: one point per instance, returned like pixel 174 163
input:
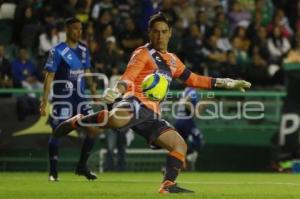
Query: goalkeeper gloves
pixel 232 84
pixel 110 95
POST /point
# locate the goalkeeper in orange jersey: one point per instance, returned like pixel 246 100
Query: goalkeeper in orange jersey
pixel 137 112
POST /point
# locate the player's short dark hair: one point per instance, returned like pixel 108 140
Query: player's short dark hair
pixel 71 21
pixel 158 17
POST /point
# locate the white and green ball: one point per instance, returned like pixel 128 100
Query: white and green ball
pixel 155 87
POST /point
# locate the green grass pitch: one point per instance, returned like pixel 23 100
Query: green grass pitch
pixel 20 185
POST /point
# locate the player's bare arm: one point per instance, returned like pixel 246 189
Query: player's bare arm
pixel 46 90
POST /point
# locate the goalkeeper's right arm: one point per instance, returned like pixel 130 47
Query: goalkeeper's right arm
pixel 111 94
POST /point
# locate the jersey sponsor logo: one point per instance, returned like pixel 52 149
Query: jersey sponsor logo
pixel 73 74
pixel 76 72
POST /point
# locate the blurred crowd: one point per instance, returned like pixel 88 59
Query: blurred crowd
pixel 221 38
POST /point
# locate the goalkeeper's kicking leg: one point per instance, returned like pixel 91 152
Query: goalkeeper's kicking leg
pixel 116 118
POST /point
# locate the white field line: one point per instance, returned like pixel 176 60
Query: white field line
pixel 208 182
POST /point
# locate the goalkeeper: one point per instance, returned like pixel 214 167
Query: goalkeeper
pixel 142 115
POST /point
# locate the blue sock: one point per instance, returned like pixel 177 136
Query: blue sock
pixel 53 154
pixel 86 149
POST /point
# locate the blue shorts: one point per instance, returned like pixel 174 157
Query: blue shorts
pixel 185 127
pixel 63 110
pixel 190 133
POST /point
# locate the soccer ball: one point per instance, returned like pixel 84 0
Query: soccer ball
pixel 155 87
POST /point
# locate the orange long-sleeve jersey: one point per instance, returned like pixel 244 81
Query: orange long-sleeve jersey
pixel 142 64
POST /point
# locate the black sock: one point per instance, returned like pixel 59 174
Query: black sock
pixel 86 149
pixel 53 155
pixel 173 168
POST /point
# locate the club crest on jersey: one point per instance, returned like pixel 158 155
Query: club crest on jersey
pixel 158 59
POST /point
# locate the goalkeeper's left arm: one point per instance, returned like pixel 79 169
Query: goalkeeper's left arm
pixel 198 81
pixel 232 84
